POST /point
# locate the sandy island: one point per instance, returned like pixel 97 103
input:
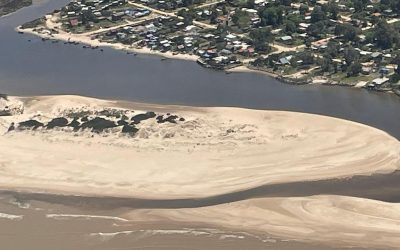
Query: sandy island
pixel 213 151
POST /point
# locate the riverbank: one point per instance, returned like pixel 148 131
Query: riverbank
pixel 179 152
pixel 94 43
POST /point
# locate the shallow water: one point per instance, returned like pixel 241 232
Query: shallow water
pixel 41 231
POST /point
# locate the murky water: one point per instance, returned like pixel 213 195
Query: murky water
pixel 48 226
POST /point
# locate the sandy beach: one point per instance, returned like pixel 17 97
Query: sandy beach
pixel 213 151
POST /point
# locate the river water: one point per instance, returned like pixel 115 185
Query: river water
pixel 37 68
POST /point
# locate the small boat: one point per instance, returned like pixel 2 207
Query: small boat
pixel 20 32
pixel 101 50
pixel 164 58
pixel 135 54
pixel 29 40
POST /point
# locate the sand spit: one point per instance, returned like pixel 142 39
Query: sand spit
pixel 211 151
pixel 334 220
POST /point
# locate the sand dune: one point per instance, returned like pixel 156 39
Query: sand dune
pixel 214 151
pixel 335 220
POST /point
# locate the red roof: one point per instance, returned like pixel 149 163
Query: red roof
pixel 73 22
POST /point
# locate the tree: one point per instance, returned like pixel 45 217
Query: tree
pixel 348 31
pixel 386 36
pixel 286 2
pixel 326 63
pixel 290 26
pixel 332 49
pixel 317 29
pixel 358 5
pixel 354 69
pixel 241 18
pixel 332 9
pixel 350 55
pixel 250 4
pixel 317 15
pixel 213 16
pixel 307 57
pixel 271 16
pixel 260 37
pixel 303 9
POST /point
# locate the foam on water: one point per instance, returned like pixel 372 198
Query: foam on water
pixel 83 216
pixel 11 216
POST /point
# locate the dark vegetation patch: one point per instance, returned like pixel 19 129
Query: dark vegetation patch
pixel 129 129
pixel 34 23
pixel 57 122
pixel 170 119
pixel 122 122
pixel 11 128
pixel 75 124
pixel 82 120
pixel 111 113
pixel 79 114
pixel 8 6
pixel 141 117
pixel 33 124
pixel 98 124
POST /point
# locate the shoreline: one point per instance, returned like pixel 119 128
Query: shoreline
pixel 85 40
pixel 66 37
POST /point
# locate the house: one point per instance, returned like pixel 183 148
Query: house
pixel 74 22
pixel 285 60
pixel 117 16
pixel 380 81
pixel 366 70
pixel 384 71
pixel 286 38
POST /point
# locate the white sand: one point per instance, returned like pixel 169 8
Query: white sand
pixel 196 158
pixel 336 220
